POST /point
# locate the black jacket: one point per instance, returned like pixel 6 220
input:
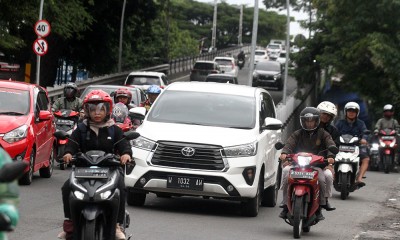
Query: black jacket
pixel 334 132
pixel 102 142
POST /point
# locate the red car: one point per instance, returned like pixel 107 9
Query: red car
pixel 26 127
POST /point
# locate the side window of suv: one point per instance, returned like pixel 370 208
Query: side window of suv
pixel 263 109
pixel 269 105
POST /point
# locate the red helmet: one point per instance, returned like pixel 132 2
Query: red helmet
pixel 98 96
pixel 123 92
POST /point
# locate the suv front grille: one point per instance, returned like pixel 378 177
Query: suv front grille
pixel 206 157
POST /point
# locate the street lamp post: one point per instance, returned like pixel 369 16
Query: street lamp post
pixel 121 30
pixel 38 57
pixel 287 51
pixel 214 29
pixel 253 42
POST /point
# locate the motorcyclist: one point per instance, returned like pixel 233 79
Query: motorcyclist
pixel 241 56
pixel 98 109
pixel 387 121
pixel 355 127
pixel 328 112
pixel 9 197
pixel 310 138
pixel 152 92
pixel 70 99
pixel 123 95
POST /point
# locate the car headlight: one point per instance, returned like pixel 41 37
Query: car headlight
pixel 16 135
pixel 245 150
pixel 143 143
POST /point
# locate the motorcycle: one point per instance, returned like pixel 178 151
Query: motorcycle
pixel 9 172
pixel 374 162
pixel 388 148
pixel 94 198
pixel 347 165
pixel 120 115
pixel 303 191
pixel 240 63
pixel 65 120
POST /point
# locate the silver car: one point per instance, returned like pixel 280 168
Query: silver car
pixel 201 69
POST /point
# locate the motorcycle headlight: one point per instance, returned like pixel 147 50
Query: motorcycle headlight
pixel 16 135
pixel 304 160
pixel 392 144
pixel 382 144
pixel 245 150
pixel 79 195
pixel 143 143
pixel 105 194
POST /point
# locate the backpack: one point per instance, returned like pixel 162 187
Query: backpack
pixel 85 134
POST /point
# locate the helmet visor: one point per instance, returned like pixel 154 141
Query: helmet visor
pixel 69 92
pixel 309 122
pixel 97 108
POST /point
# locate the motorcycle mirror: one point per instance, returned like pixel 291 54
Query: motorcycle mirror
pixel 112 94
pixel 12 171
pixel 61 135
pixel 130 135
pixel 333 149
pixel 367 132
pixel 279 145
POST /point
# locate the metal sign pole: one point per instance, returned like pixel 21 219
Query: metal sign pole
pixel 287 52
pixel 253 42
pixel 38 57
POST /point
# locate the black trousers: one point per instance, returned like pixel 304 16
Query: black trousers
pixel 66 190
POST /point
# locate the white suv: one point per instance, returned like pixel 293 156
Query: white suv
pixel 218 142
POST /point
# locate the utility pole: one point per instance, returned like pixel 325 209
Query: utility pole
pixel 121 30
pixel 214 30
pixel 240 26
pixel 253 42
pixel 38 57
pixel 287 51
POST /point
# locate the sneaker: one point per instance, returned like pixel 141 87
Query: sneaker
pixel 284 212
pixel 62 235
pixel 119 235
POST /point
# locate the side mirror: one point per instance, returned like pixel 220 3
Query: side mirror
pixel 333 149
pixel 61 135
pixel 271 124
pixel 367 132
pixel 279 145
pixel 44 115
pixel 112 94
pixel 130 135
pixel 137 113
pixel 12 171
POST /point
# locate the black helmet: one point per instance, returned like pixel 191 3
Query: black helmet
pixel 70 90
pixel 307 115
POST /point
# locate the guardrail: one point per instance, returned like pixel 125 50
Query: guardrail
pixel 175 67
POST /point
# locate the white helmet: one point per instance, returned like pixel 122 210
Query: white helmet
pixel 328 107
pixel 352 105
pixel 388 107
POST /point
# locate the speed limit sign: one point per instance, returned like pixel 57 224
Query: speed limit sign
pixel 42 28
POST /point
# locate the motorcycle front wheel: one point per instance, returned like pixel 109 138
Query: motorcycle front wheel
pixel 298 216
pixel 344 191
pixel 92 230
pixel 387 163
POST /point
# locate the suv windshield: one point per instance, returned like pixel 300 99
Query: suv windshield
pixel 208 109
pixel 14 102
pixel 203 66
pixel 224 62
pixel 143 80
pixel 260 53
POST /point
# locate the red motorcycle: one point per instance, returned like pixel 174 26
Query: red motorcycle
pixel 303 191
pixel 65 120
pixel 120 115
pixel 387 148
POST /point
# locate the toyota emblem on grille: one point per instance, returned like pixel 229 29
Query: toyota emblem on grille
pixel 188 151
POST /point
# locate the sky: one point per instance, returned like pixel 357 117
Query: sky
pixel 294 26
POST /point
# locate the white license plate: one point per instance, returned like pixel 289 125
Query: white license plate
pixel 298 174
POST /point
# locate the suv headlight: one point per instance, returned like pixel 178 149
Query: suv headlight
pixel 143 143
pixel 245 150
pixel 16 135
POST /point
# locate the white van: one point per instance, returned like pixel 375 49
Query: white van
pixel 211 140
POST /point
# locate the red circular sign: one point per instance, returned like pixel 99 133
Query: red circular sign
pixel 42 28
pixel 40 46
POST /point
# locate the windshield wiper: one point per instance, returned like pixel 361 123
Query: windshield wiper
pixel 11 113
pixel 240 127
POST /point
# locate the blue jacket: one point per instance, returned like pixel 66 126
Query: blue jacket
pixel 356 128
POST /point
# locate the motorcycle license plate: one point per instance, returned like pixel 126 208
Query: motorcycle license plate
pixel 65 122
pixel 297 174
pixel 91 172
pixel 182 182
pixel 344 148
pixel 387 137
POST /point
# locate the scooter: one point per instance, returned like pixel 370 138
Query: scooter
pixel 347 165
pixel 94 198
pixel 240 63
pixel 388 148
pixel 374 158
pixel 120 115
pixel 65 120
pixel 303 191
